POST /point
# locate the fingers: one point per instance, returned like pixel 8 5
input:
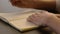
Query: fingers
pixel 33 17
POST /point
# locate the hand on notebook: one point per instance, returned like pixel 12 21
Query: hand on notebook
pixel 46 18
pixel 42 17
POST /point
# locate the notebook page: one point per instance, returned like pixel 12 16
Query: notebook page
pixel 19 21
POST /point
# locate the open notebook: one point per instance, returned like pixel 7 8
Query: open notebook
pixel 18 20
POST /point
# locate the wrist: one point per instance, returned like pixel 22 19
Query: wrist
pixel 55 25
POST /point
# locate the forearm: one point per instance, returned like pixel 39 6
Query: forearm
pixel 55 25
pixel 34 3
pixel 46 4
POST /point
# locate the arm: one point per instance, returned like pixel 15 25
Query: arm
pixel 46 18
pixel 55 24
pixel 37 4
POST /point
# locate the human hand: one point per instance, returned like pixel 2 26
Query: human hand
pixel 42 17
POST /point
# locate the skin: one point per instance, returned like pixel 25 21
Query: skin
pixel 43 17
pixel 46 18
pixel 37 4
